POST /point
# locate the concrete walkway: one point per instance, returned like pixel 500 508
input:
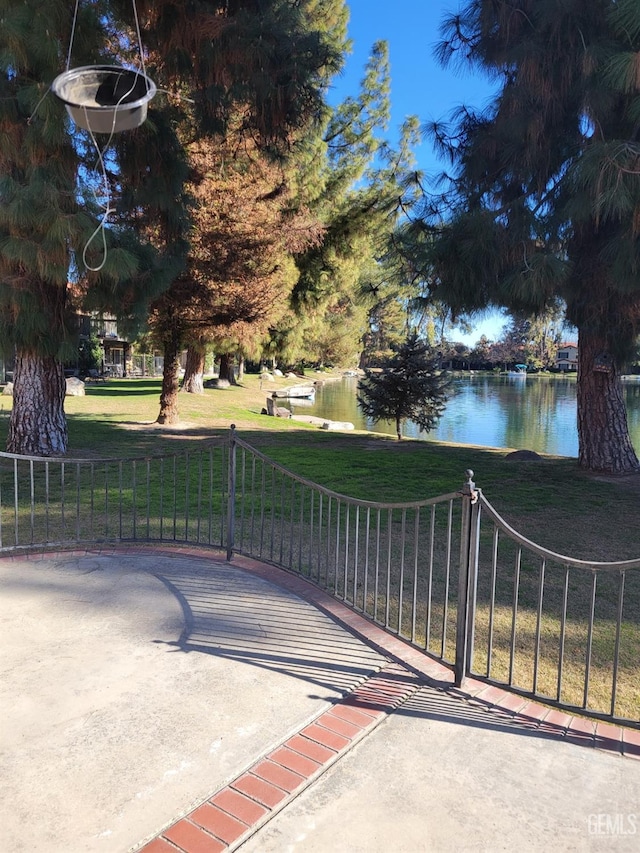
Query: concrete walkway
pixel 167 701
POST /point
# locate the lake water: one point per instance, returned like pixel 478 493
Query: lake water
pixel 533 412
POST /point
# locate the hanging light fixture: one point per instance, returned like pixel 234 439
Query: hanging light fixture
pixel 105 98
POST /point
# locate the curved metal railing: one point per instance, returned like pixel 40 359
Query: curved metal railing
pixel 447 574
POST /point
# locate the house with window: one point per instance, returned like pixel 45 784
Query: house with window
pixel 567 357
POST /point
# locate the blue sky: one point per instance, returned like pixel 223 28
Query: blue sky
pixel 419 86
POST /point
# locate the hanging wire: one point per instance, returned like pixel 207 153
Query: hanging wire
pixel 73 32
pixel 107 209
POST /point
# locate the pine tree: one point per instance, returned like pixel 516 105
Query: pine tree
pixel 410 386
pixel 545 197
pixel 48 213
pixel 256 73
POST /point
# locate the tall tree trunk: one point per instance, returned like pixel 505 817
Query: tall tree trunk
pixel 193 382
pixel 603 431
pixel 227 368
pixel 169 413
pixel 38 425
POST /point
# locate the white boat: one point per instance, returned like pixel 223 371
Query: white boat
pixel 300 391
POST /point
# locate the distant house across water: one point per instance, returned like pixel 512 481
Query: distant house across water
pixel 567 358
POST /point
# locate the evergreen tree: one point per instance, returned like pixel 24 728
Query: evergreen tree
pixel 545 197
pixel 48 213
pixel 256 73
pixel 411 386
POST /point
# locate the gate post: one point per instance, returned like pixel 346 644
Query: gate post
pixel 231 497
pixel 467 578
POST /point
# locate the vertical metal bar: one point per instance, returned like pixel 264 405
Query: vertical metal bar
pixel 320 524
pixel 312 496
pixel 15 502
pixel 243 474
pixel 106 499
pixel 536 656
pixel 175 497
pixel 231 511
pixel 32 500
pixel 432 539
pixel 447 579
pixel 92 470
pixel 224 475
pixel 120 497
pixel 616 653
pixel 301 530
pixel 336 561
pixel 367 533
pixel 514 613
pixel 211 497
pixel 62 496
pixel 77 502
pixel 263 488
pixel 416 547
pixel 474 556
pixel 148 498
pixel 161 507
pixel 592 609
pixel 328 547
pixel 466 594
pixel 291 522
pixel 134 516
pixel 347 525
pixel 273 512
pixel 281 515
pixel 376 586
pixel 563 632
pixel 46 501
pixel 403 533
pixel 492 600
pixel 187 493
pixel 199 504
pixel 388 587
pixel 356 556
pixel 253 502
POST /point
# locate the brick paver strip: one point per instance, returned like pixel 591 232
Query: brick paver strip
pixel 280 776
pixel 218 823
pixel 239 806
pixel 294 761
pixel 260 790
pixel 324 736
pixel 631 743
pixel 360 717
pixel 341 727
pixel 311 748
pixel 191 839
pixel 160 845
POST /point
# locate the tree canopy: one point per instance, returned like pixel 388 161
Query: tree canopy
pixel 543 199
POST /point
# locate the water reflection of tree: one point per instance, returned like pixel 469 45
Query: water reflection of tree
pixel 531 413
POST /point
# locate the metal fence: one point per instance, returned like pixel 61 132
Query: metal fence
pixel 447 574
